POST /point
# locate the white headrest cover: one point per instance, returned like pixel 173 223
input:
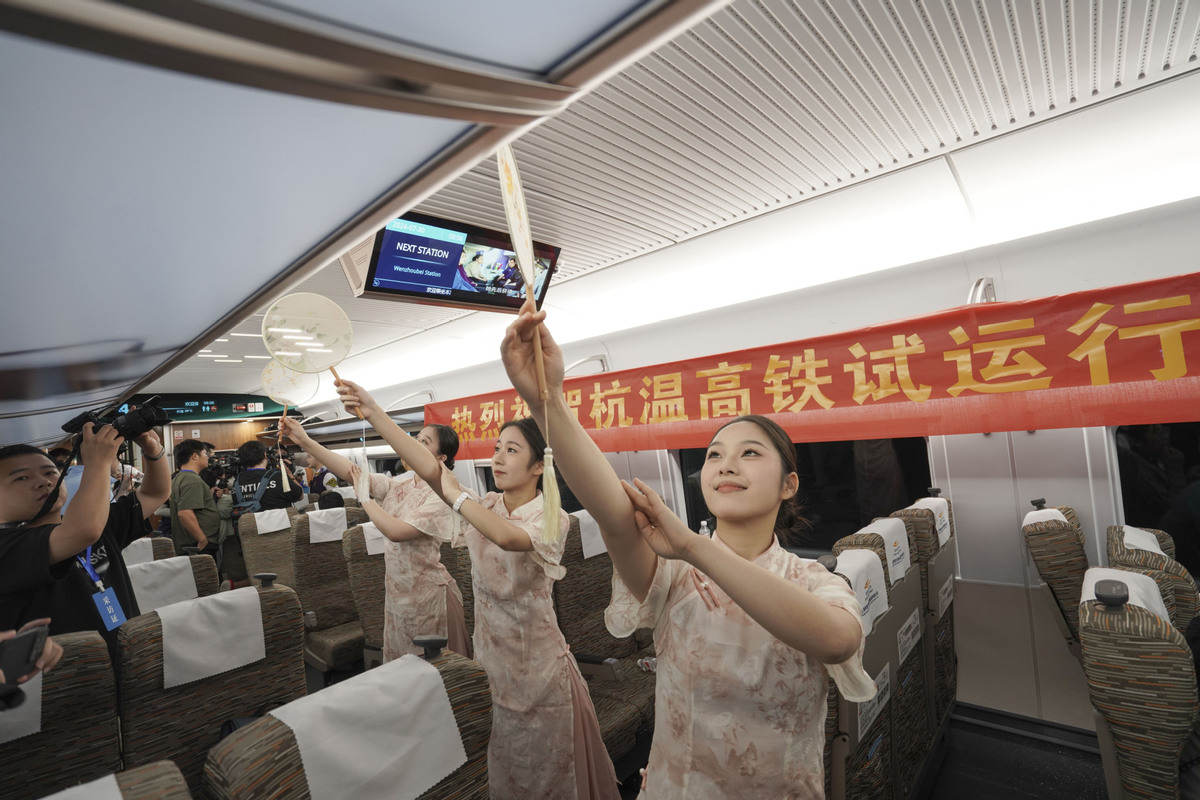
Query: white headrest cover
pixel 941 516
pixel 26 718
pixel 589 534
pixel 1143 591
pixel 389 732
pixel 211 635
pixel 274 520
pixel 161 583
pixel 1044 515
pixel 139 551
pixel 374 539
pixel 105 788
pixel 895 542
pixel 1139 539
pixel 326 525
pixel 865 572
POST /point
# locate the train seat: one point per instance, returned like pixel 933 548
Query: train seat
pixel 161 718
pixel 911 702
pixel 148 548
pixel 263 759
pixel 1154 549
pixel 267 544
pixel 935 546
pixel 78 737
pixel 457 561
pixel 621 691
pixel 161 780
pixel 362 547
pixel 861 757
pixel 1055 543
pixel 1128 645
pixel 333 633
pixel 172 580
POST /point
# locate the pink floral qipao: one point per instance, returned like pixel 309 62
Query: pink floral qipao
pixel 737 712
pixel 416 581
pixel 534 745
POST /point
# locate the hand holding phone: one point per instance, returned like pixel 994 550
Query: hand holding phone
pixel 26 652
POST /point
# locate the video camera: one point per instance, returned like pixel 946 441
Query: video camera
pixel 128 422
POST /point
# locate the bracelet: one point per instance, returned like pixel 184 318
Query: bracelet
pixel 462 498
pixel 158 457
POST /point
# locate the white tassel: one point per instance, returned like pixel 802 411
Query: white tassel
pixel 551 500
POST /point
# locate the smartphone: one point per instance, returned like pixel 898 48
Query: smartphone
pixel 19 655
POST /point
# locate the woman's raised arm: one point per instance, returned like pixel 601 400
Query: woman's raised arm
pixel 580 461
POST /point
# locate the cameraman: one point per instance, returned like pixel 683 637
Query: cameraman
pixel 67 566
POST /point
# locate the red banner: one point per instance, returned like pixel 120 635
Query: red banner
pixel 1099 357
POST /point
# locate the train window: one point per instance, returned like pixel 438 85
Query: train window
pixel 843 485
pixel 1159 467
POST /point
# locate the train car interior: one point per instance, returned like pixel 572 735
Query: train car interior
pixel 830 212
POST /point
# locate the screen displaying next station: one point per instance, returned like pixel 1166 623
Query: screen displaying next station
pixel 429 260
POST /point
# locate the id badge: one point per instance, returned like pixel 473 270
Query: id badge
pixel 110 609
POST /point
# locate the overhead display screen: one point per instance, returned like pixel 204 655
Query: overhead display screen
pixel 429 260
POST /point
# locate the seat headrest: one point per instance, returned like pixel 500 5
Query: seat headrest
pixel 895 543
pixel 373 539
pixel 161 583
pixel 1044 515
pixel 274 520
pixel 139 551
pixel 389 732
pixel 326 525
pixel 211 635
pixel 941 516
pixel 1143 591
pixel 864 570
pixel 1139 539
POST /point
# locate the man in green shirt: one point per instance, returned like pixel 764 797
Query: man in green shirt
pixel 194 519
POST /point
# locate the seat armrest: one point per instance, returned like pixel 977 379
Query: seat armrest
pixel 608 669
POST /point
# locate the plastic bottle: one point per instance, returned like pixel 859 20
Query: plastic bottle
pixel 648 663
pixel 704 528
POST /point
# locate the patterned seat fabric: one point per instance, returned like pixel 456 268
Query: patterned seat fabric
pixel 161 780
pixel 263 761
pixel 204 571
pixel 323 586
pixel 184 722
pixel 163 547
pixel 1185 598
pixel 366 582
pixel 1125 650
pixel 269 552
pixel 624 707
pixel 1057 552
pixel 79 740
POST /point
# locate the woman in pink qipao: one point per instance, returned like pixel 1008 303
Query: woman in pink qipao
pixel 745 632
pixel 545 739
pixel 421 595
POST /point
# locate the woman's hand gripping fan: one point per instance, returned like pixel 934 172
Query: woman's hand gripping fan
pixel 361 483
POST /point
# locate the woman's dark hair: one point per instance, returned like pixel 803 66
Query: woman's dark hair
pixel 533 438
pixel 331 500
pixel 447 443
pixel 789 510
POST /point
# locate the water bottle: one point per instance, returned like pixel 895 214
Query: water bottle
pixel 704 528
pixel 648 663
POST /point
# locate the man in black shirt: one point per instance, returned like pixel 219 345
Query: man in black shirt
pixel 253 458
pixel 50 564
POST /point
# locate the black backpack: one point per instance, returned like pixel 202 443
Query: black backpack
pixel 254 504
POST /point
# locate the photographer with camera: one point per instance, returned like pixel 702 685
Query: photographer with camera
pixel 68 566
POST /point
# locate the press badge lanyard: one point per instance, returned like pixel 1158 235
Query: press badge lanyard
pixel 105 599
